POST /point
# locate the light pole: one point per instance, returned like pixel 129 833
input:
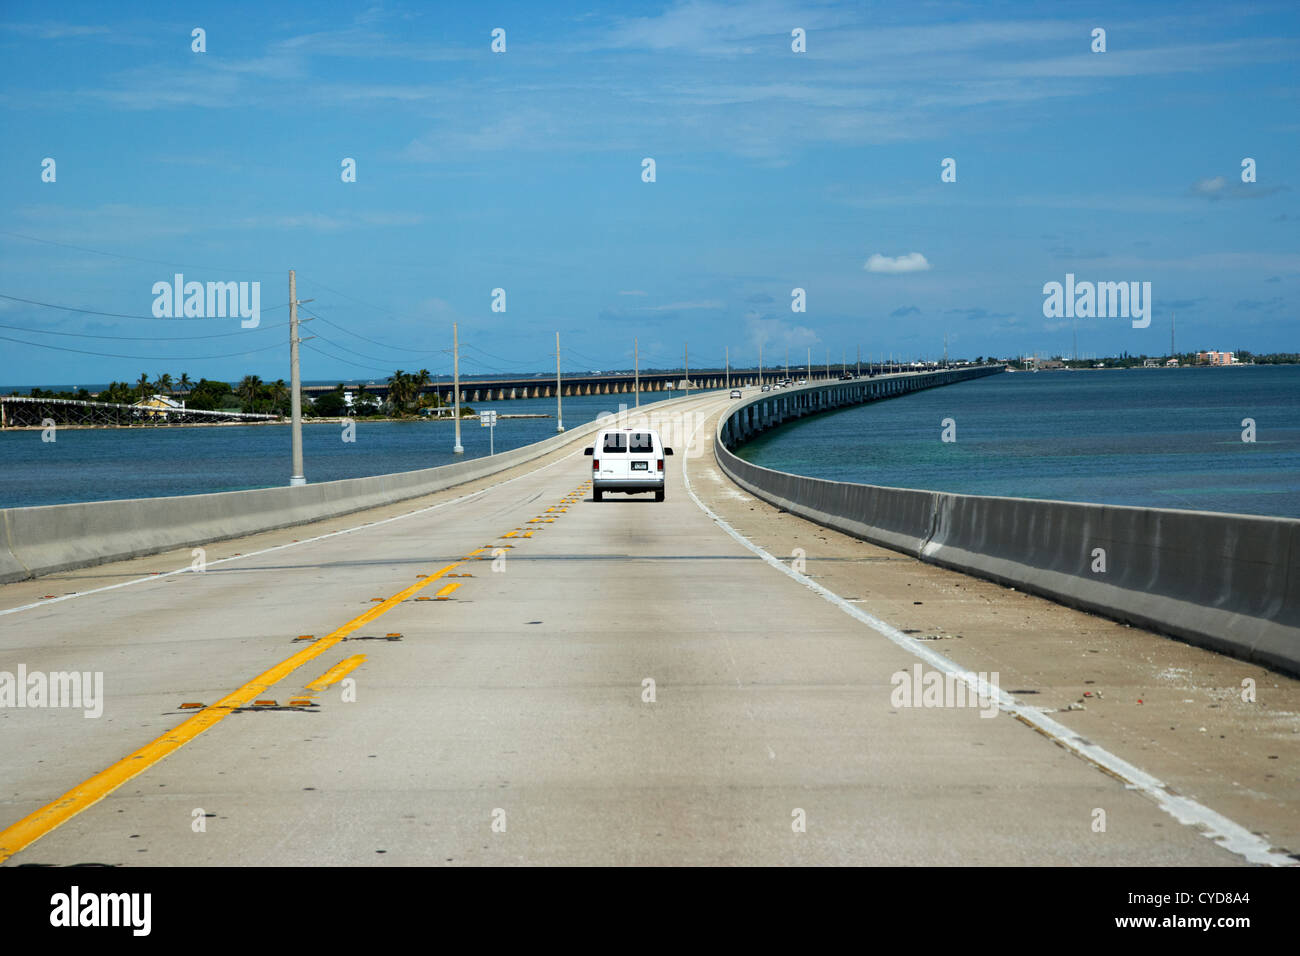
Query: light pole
pixel 559 402
pixel 458 448
pixel 295 385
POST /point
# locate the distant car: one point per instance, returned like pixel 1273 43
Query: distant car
pixel 803 381
pixel 627 461
pixel 767 388
pixel 735 393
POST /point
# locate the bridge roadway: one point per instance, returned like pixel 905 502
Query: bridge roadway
pixel 520 700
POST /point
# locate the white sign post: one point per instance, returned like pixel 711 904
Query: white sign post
pixel 488 420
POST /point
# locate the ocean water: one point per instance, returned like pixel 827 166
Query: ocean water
pixel 101 464
pixel 1166 438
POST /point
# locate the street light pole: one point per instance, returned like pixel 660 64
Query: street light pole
pixel 295 399
pixel 559 402
pixel 458 448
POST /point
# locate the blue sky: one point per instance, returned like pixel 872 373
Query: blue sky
pixel 522 170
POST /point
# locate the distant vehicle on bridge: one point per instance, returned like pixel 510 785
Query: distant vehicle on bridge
pixel 627 461
pixel 735 393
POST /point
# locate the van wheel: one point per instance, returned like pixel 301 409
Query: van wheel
pixel 659 495
pixel 596 495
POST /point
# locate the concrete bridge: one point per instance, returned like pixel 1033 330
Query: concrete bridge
pixel 479 664
pixel 505 389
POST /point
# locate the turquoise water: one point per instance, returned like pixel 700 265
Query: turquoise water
pixel 100 464
pixel 1167 438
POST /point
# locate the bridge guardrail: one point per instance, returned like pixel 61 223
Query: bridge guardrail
pixel 49 538
pixel 1227 582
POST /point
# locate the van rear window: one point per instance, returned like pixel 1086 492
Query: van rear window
pixel 614 442
pixel 642 442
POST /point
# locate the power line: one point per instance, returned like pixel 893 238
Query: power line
pixel 142 358
pixel 308 345
pixel 121 315
pixel 383 345
pixel 498 358
pixel 373 358
pixel 368 305
pixel 142 338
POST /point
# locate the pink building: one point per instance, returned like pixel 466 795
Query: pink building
pixel 1215 358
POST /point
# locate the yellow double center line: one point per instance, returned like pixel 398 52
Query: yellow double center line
pixel 34 826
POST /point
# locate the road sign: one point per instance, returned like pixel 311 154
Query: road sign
pixel 488 419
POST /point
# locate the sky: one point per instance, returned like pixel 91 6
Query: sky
pixel 524 170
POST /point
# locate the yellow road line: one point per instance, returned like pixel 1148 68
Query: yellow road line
pixel 446 592
pixel 336 673
pixel 35 825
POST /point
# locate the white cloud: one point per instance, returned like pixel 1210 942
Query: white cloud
pixel 773 333
pixel 685 306
pixel 912 262
pixel 1210 187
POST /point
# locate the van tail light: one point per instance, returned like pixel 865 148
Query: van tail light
pixel 661 464
pixel 595 464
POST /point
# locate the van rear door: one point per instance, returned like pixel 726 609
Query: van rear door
pixel 642 455
pixel 628 456
pixel 612 452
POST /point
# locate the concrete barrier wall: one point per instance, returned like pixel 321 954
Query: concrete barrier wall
pixel 51 538
pixel 1227 582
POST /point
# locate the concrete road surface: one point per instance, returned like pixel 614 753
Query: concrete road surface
pixel 509 672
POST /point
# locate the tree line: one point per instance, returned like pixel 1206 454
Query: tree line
pixel 252 394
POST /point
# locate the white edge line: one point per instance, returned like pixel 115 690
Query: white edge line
pixel 1213 825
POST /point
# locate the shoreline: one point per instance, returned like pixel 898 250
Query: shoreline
pixel 238 424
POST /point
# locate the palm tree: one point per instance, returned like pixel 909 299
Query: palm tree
pixel 184 383
pixel 399 391
pixel 250 388
pixel 279 394
pixel 163 384
pixel 142 386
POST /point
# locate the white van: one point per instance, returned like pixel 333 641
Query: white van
pixel 628 461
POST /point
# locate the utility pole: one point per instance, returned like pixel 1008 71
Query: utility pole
pixel 1173 322
pixel 859 365
pixel 296 477
pixel 828 365
pixel 636 374
pixel 727 362
pixel 945 350
pixel 458 448
pixel 810 378
pixel 686 361
pixel 559 404
pixel 787 362
pixel 760 365
pixel 844 365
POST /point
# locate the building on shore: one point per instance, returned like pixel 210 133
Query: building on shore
pixel 1215 358
pixel 159 405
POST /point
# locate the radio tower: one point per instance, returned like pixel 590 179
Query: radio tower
pixel 1173 321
